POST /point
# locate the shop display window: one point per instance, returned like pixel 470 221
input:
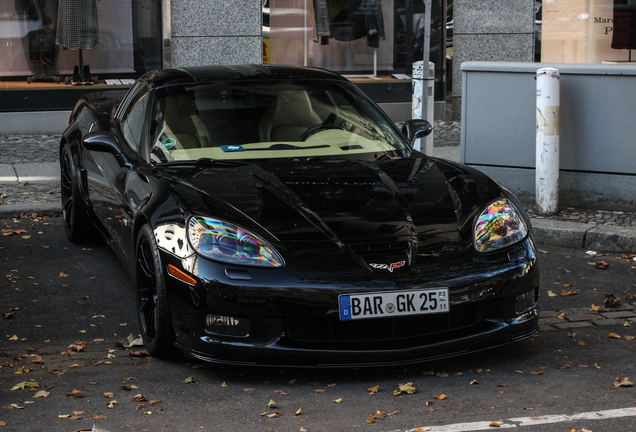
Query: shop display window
pixel 41 40
pixel 372 39
pixel 587 31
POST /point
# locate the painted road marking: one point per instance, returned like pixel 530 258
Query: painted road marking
pixel 530 421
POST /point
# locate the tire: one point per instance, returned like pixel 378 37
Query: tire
pixel 76 213
pixel 153 312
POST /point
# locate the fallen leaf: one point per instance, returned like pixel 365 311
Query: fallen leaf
pixel 299 412
pixel 373 390
pixel 602 265
pixel 77 346
pixel 566 293
pixel 440 397
pixel 380 415
pixel 191 380
pixel 538 372
pixel 611 300
pixel 63 275
pixel 320 390
pixel 623 382
pixel 75 394
pixel 493 424
pixel 597 366
pixel 406 388
pixel 339 400
pixel 581 343
pixel 595 308
pixel 274 414
pixel 473 382
pixel 42 393
pixel 154 402
pixel 370 420
pixel 629 338
pixel 294 381
pixel 551 294
pixel 140 398
pixel 111 404
pixel 99 417
pixel 271 404
pixel 613 336
pixel 37 359
pixel 572 333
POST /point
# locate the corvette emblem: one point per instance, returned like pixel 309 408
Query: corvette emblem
pixel 389 267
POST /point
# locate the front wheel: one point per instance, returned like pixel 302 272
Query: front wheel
pixel 152 303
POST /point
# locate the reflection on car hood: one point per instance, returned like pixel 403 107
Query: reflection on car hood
pixel 343 200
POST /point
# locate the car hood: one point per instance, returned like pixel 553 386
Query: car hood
pixel 418 199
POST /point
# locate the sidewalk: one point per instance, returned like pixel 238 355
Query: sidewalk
pixel 30 183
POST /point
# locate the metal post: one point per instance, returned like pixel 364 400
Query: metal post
pixel 547 163
pixel 423 101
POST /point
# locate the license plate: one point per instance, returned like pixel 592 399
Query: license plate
pixel 391 304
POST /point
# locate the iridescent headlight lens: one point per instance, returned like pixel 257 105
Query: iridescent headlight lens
pixel 499 226
pixel 227 242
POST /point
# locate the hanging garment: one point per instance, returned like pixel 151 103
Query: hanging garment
pixel 42 41
pixel 624 32
pixel 77 24
pixel 349 20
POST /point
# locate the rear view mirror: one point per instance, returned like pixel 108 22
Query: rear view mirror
pixel 416 128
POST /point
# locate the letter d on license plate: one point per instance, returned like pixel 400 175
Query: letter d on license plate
pixel 390 304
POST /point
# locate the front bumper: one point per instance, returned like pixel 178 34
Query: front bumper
pixel 294 321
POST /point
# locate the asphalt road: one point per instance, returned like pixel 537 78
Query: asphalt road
pixel 55 296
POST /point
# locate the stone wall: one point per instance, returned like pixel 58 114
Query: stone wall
pixel 215 32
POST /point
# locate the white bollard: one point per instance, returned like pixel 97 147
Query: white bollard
pixel 423 101
pixel 547 163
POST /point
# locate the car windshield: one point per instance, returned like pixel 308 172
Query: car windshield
pixel 240 120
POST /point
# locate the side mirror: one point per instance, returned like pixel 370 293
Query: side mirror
pixel 416 128
pixel 102 142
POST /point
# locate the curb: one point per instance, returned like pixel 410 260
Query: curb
pixel 606 238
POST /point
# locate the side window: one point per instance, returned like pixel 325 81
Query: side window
pixel 133 119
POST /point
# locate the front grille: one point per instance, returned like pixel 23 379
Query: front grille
pixel 331 328
pixel 387 247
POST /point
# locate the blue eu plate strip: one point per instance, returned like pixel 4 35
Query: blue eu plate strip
pixel 345 307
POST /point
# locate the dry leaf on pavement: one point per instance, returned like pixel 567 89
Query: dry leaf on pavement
pixel 623 382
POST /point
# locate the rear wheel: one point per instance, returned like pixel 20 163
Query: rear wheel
pixel 76 213
pixel 152 304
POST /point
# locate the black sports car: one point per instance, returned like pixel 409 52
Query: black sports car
pixel 276 216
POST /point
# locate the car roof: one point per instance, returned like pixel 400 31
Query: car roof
pixel 197 74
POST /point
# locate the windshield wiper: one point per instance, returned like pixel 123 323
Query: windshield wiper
pixel 202 162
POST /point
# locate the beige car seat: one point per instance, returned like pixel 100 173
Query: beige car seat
pixel 182 123
pixel 287 121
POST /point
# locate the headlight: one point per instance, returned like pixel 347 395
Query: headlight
pixel 227 242
pixel 499 226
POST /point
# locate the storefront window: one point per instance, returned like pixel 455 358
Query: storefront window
pixel 42 38
pixel 587 31
pixel 357 38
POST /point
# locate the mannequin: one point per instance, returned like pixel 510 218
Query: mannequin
pixel 77 29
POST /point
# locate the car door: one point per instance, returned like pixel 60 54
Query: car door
pixel 116 189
